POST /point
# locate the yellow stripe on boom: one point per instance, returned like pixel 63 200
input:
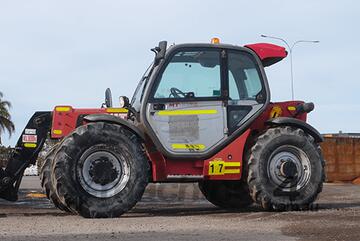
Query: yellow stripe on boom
pixel 187 112
pixel 30 145
pixel 57 132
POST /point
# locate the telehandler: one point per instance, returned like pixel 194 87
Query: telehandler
pixel 201 113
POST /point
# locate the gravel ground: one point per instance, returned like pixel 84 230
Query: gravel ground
pixel 179 212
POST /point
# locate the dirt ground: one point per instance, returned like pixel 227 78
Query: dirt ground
pixel 179 212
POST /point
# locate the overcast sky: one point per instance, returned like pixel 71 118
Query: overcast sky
pixel 68 52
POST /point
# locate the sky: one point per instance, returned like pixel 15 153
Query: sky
pixel 69 52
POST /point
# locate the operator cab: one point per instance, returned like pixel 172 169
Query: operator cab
pixel 196 98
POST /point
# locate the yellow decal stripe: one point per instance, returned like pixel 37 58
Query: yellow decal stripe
pixel 232 164
pixel 116 110
pixel 232 171
pixel 188 146
pixel 30 145
pixel 187 112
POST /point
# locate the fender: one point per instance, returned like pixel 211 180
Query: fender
pixel 116 120
pixel 288 121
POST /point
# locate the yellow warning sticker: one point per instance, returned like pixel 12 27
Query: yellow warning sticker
pixel 219 167
pixel 276 111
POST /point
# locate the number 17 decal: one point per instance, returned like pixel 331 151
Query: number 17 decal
pixel 218 167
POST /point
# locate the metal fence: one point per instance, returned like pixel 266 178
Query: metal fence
pixel 342 155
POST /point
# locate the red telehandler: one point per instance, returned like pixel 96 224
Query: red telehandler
pixel 201 113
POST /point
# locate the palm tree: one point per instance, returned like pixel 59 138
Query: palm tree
pixel 5 119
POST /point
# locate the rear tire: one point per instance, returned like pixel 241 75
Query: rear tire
pixel 286 169
pixel 101 170
pixel 226 194
pixel 46 180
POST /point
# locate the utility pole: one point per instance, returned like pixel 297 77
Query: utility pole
pixel 290 48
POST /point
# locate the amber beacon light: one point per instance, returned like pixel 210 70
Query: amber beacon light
pixel 215 40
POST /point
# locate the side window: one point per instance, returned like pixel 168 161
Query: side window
pixel 191 74
pixel 244 78
pixel 233 89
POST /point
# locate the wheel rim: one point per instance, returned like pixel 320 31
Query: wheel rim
pixel 289 168
pixel 103 174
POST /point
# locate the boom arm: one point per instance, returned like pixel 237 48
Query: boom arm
pixel 26 152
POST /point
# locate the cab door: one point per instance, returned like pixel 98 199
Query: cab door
pixel 247 90
pixel 186 109
pixel 204 98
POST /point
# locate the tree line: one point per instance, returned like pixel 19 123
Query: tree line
pixel 6 125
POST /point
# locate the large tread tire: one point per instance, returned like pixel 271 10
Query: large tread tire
pixel 43 154
pixel 265 192
pixel 46 180
pixel 119 141
pixel 226 194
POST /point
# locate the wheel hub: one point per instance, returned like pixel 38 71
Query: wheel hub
pixel 288 169
pixel 103 174
pixel 103 171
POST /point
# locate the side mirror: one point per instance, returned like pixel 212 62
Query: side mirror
pixel 124 102
pixel 159 52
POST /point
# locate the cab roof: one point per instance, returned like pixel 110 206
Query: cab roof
pixel 269 54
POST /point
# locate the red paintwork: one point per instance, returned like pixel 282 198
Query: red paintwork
pixel 66 121
pixel 236 150
pixel 259 124
pixel 158 162
pixel 267 51
pixel 162 167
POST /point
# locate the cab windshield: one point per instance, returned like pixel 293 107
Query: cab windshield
pixel 137 96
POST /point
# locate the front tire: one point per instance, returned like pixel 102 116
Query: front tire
pixel 286 169
pixel 101 170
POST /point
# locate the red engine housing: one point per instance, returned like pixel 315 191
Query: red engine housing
pixel 65 118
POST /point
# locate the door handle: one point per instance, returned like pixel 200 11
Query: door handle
pixel 159 106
